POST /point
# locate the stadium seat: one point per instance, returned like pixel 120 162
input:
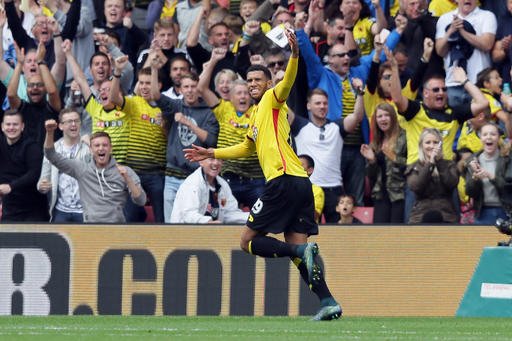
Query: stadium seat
pixel 150 217
pixel 364 213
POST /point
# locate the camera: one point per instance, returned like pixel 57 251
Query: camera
pixel 505 227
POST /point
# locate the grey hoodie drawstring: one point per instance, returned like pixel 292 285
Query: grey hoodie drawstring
pixel 105 181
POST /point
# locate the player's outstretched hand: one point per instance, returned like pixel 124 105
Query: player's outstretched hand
pixel 197 153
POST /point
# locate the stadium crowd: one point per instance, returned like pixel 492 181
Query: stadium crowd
pixel 399 105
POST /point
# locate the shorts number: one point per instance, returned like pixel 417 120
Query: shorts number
pixel 258 205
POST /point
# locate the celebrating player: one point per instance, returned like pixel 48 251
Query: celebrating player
pixel 287 204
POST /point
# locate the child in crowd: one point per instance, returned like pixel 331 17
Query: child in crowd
pixel 346 206
pixel 318 193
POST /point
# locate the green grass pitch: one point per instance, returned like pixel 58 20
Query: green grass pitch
pixel 251 328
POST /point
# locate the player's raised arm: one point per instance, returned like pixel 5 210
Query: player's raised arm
pixel 283 88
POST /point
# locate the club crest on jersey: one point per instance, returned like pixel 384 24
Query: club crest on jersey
pixel 255 133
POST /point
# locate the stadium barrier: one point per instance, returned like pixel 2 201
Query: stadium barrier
pixel 199 270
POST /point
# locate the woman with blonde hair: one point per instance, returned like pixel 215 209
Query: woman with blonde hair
pixel 433 179
pixel 386 156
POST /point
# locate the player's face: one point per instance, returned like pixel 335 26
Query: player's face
pixel 318 105
pixel 345 206
pixel 223 86
pixel 166 37
pixel 12 127
pixel 100 69
pixel 258 83
pixel 429 143
pixel 383 120
pixel 489 135
pixel 101 149
pixel 494 83
pixel 435 94
pixel 36 89
pixel 240 97
pixel 70 125
pixel 114 11
pixel 188 89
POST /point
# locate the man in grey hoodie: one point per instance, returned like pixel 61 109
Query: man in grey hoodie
pixel 104 185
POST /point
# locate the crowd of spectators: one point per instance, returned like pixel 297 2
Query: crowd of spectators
pixel 401 105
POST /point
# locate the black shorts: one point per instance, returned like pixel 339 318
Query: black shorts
pixel 286 205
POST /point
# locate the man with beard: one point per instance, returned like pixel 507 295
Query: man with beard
pixel 179 66
pixel 20 165
pixel 104 185
pixel 37 109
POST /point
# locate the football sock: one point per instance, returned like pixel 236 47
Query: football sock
pixel 320 288
pixel 271 248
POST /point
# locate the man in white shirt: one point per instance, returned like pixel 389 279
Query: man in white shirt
pixel 465 37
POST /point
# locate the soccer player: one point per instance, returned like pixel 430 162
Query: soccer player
pixel 286 205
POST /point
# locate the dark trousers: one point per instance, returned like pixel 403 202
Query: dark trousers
pixel 153 185
pixel 385 211
pixel 245 190
pixel 331 195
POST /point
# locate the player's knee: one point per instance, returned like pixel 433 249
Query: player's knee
pixel 244 245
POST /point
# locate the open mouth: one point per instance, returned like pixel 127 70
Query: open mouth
pixel 102 157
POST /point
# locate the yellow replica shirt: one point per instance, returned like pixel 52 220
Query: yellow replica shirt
pixel 233 129
pixel 363 35
pixel 114 122
pixel 168 11
pixel 148 144
pixel 469 139
pixel 319 196
pixel 494 105
pixel 440 7
pixel 395 7
pixel 418 117
pixel 269 132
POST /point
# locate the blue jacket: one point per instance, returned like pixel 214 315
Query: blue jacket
pixel 320 76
